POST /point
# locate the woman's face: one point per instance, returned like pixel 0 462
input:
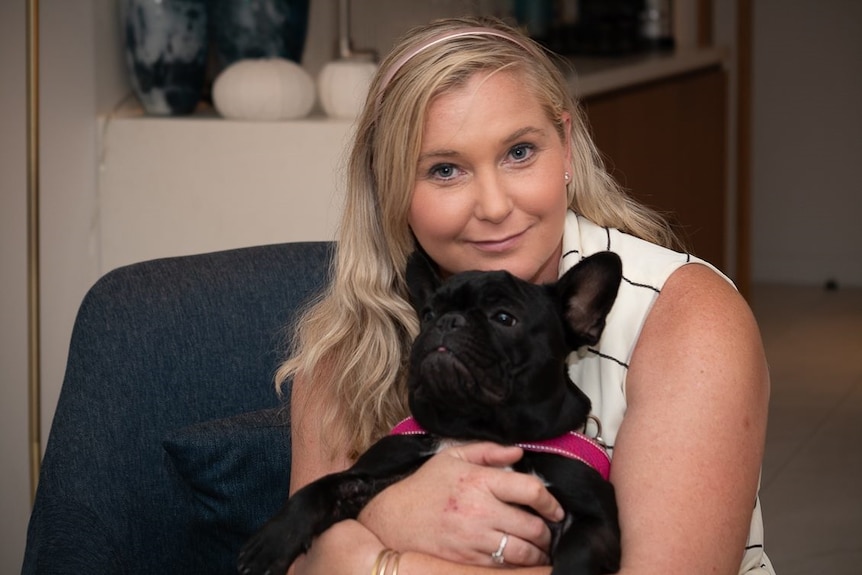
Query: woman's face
pixel 490 184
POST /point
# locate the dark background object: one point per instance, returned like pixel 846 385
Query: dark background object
pixel 243 29
pixel 599 27
pixel 166 53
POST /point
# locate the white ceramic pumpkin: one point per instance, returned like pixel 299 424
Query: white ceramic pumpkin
pixel 265 90
pixel 342 86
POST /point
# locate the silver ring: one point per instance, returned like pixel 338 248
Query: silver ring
pixel 497 556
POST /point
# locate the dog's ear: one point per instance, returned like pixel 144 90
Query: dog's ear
pixel 422 279
pixel 587 292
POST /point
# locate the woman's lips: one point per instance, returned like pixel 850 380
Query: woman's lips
pixel 501 245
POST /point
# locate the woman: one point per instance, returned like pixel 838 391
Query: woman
pixel 471 147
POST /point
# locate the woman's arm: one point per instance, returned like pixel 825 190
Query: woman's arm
pixel 308 456
pixel 310 459
pixel 688 454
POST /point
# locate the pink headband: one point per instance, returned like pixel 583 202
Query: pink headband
pixel 437 39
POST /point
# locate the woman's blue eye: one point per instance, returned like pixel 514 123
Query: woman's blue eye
pixel 444 171
pixel 521 152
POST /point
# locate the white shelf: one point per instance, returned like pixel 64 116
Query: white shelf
pixel 176 186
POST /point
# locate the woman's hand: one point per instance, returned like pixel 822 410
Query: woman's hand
pixel 460 504
pixel 345 548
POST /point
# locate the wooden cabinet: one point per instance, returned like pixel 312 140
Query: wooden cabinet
pixel 665 142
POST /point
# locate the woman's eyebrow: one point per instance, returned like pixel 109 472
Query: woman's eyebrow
pixel 438 154
pixel 525 131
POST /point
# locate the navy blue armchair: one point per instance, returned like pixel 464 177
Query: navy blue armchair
pixel 169 445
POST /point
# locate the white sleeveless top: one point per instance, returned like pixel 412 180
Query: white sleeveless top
pixel 601 370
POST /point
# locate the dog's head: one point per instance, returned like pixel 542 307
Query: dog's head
pixel 490 359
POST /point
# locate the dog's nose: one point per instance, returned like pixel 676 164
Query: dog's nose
pixel 451 321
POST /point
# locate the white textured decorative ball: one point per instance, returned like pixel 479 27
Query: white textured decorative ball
pixel 266 90
pixel 343 86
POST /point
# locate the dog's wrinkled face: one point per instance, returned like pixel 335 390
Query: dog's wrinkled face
pixel 490 359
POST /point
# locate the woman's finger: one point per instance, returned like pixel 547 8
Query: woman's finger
pixel 525 526
pixel 527 490
pixel 486 453
pixel 509 549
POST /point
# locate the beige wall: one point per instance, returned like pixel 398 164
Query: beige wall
pixel 68 178
pixel 14 485
pixel 807 141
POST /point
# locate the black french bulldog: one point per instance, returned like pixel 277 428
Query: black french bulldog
pixel 489 364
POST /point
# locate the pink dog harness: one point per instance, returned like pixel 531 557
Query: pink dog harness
pixel 571 444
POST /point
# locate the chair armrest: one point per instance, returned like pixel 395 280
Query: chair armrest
pixel 68 539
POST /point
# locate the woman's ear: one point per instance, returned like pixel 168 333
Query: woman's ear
pixel 566 120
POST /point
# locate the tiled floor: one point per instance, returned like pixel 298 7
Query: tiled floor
pixel 812 474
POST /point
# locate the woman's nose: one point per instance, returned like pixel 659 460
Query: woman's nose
pixel 493 201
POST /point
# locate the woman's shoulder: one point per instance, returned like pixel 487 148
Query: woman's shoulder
pixel 700 299
pixel 701 324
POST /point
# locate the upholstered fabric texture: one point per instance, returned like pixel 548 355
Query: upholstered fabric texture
pixel 169 444
pixel 237 471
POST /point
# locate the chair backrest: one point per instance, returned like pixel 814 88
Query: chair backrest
pixel 162 354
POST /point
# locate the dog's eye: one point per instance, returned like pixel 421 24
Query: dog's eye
pixel 428 315
pixel 504 318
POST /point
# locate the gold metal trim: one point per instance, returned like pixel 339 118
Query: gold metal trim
pixel 34 353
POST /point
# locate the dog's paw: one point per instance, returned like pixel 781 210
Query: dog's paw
pixel 267 553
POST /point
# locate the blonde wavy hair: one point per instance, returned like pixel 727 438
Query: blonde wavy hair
pixel 355 339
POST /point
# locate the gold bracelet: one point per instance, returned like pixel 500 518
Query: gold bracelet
pixel 385 563
pixel 383 553
pixel 395 561
pixel 384 559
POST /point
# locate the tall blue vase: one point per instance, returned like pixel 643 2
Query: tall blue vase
pixel 166 53
pixel 251 29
